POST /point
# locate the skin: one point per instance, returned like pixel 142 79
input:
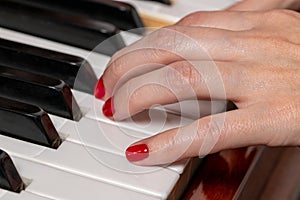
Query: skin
pixel 250 58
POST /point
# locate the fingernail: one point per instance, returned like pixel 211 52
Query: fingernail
pixel 108 108
pixel 137 152
pixel 99 89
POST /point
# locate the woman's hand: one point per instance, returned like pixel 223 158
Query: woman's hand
pixel 249 58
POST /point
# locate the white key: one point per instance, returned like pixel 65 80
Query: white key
pixel 24 195
pixel 99 135
pixel 96 164
pixel 103 136
pixel 56 184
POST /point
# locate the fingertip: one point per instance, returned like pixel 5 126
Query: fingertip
pixel 99 90
pixel 137 152
pixel 108 108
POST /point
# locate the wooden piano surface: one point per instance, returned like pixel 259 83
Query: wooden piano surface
pixel 248 173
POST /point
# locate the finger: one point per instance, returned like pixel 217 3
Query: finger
pixel 238 128
pixel 176 82
pixel 171 45
pixel 229 20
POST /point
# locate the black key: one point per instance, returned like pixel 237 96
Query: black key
pixel 121 14
pixel 167 2
pixel 62 27
pixel 9 176
pixel 52 95
pixel 71 69
pixel 28 123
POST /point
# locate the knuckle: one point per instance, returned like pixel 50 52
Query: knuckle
pixel 216 129
pixel 116 69
pixel 133 94
pixel 160 36
pixel 281 15
pixel 136 93
pixel 288 117
pixel 192 18
pixel 169 39
pixel 181 76
pixel 213 130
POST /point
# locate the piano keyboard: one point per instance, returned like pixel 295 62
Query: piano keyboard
pixel 79 155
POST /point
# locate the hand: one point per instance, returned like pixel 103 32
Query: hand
pixel 249 58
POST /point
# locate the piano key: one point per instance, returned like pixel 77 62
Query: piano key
pixel 98 61
pixel 62 27
pixel 24 195
pixel 52 183
pixel 33 124
pixel 50 94
pixel 167 2
pixel 100 135
pixel 71 69
pixel 121 14
pixel 9 176
pixel 103 136
pixel 97 165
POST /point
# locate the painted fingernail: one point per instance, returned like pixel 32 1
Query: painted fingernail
pixel 99 89
pixel 108 108
pixel 137 152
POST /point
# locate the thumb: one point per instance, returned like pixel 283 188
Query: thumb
pixel 210 134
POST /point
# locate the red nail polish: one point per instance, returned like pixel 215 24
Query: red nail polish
pixel 99 89
pixel 137 152
pixel 108 108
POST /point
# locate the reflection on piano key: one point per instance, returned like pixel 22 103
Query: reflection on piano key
pixel 70 69
pixel 50 94
pixel 34 125
pixel 122 15
pixel 9 176
pixel 63 27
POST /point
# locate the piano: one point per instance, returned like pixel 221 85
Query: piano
pixel 64 148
